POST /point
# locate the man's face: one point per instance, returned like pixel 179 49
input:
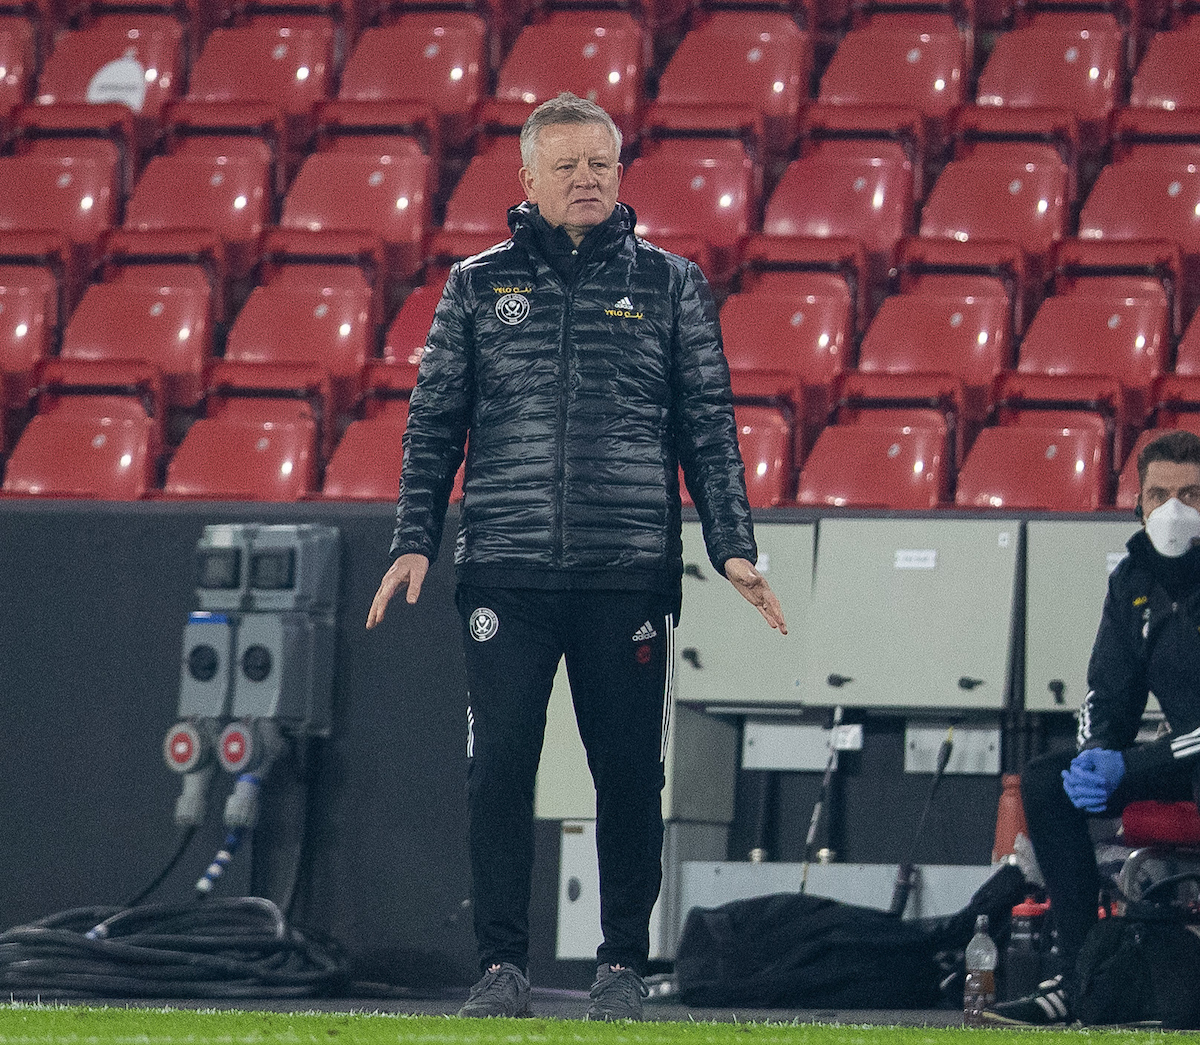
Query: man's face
pixel 574 177
pixel 1167 479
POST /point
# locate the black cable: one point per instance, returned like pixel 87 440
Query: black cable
pixel 222 948
pixel 905 872
pixel 184 842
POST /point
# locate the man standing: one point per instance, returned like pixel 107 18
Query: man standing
pixel 586 367
pixel 1147 642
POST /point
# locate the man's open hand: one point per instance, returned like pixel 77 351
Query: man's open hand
pixel 407 571
pixel 755 590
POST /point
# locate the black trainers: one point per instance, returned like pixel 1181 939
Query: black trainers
pixel 616 995
pixel 1045 1007
pixel 503 991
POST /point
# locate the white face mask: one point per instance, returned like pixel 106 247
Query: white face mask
pixel 1172 527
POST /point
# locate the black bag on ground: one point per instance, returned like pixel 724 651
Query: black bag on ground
pixel 1145 966
pixel 789 950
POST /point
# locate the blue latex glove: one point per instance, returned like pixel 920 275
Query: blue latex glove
pixel 1093 777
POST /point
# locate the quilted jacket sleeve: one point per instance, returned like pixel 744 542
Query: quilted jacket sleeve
pixel 439 414
pixel 705 433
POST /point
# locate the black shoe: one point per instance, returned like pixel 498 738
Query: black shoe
pixel 616 995
pixel 503 991
pixel 1046 1007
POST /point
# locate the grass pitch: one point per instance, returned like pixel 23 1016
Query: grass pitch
pixel 22 1024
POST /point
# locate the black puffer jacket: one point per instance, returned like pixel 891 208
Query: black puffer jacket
pixel 582 397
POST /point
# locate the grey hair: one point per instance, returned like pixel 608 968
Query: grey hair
pixel 566 108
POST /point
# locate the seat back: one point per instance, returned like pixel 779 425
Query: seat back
pixel 167 326
pixel 1168 76
pixel 760 60
pixel 324 326
pixel 1059 66
pixel 134 61
pixel 595 54
pixel 287 67
pixel 366 464
pixel 1031 466
pixel 385 196
pixel 695 187
pixel 869 199
pixel 100 446
pixel 435 57
pixel 247 449
pixel 922 69
pixel 765 439
pixel 975 199
pixel 878 465
pixel 226 195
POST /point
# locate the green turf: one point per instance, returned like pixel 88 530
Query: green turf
pixel 80 1025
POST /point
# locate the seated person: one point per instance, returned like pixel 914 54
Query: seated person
pixel 1148 642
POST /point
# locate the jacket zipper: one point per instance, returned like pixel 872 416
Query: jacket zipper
pixel 560 472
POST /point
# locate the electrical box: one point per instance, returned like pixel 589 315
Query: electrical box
pixel 284 670
pixel 727 655
pixel 260 568
pixel 205 677
pixel 1069 563
pixel 912 613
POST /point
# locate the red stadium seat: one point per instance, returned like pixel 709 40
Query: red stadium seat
pixel 979 268
pixel 435 57
pixel 165 326
pixel 314 322
pixel 876 466
pixel 228 196
pixel 1031 467
pixel 791 347
pixel 866 199
pixel 699 187
pixel 1149 269
pixel 247 449
pixel 1025 203
pixel 476 212
pixel 892 133
pixel 33 298
pixel 1133 201
pixel 18 60
pixel 386 196
pixel 759 60
pixel 97 433
pixel 1056 64
pixel 900 64
pixel 765 438
pixel 1079 334
pixel 136 60
pixel 74 197
pixel 405 339
pixel 288 68
pixel 599 55
pixel 967 336
pixel 366 464
pixel 1168 76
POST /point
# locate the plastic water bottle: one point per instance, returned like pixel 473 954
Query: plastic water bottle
pixel 1023 958
pixel 979 992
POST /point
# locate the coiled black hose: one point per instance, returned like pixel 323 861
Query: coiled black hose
pixel 221 948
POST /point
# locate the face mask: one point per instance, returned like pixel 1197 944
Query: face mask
pixel 1172 527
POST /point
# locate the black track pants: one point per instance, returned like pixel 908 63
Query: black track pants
pixel 618 647
pixel 1063 845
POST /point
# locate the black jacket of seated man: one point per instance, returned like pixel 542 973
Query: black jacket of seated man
pixel 1148 641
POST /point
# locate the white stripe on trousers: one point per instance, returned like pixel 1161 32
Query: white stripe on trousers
pixel 668 687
